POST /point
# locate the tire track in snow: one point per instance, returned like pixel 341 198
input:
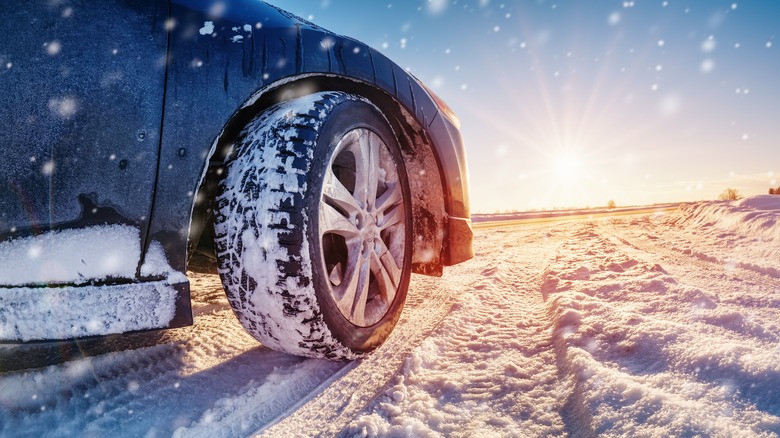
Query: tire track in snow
pixel 210 378
pixel 329 408
pixel 638 361
pixel 740 271
pixel 489 366
pixel 753 335
pixel 575 411
pixel 749 289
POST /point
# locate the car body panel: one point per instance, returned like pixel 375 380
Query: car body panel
pixel 80 144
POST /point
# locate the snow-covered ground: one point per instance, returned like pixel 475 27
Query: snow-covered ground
pixel 653 325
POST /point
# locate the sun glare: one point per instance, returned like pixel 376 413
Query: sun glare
pixel 566 166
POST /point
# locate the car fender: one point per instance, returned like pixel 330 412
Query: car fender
pixel 225 66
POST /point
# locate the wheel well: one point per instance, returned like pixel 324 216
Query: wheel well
pixel 428 203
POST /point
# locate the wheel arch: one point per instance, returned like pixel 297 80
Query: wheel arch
pixel 429 197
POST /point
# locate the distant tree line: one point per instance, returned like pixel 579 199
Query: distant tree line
pixel 773 191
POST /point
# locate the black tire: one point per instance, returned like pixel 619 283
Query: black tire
pixel 285 256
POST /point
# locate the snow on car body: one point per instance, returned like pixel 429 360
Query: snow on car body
pixel 119 121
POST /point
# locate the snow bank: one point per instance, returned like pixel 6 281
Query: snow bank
pixel 756 216
pixel 739 234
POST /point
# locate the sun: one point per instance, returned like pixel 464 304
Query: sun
pixel 566 166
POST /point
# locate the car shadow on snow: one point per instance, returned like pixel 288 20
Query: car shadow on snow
pixel 31 355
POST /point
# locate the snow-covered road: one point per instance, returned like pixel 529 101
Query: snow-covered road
pixel 655 325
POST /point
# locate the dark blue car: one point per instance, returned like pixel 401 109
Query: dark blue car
pixel 141 135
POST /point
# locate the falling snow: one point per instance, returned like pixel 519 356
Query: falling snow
pixel 707 65
pixel 53 47
pixel 64 107
pixel 708 45
pixel 207 29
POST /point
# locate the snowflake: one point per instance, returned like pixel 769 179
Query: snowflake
pixel 708 45
pixel 436 7
pixel 53 47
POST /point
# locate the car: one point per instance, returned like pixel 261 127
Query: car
pixel 139 136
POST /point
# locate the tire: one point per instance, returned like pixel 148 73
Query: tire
pixel 313 227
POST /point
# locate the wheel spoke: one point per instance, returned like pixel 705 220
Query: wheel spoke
pixel 332 221
pixel 367 169
pixel 388 262
pixel 336 275
pixel 353 303
pixel 392 196
pixel 387 286
pixel 395 216
pixel 359 309
pixel 334 193
pixel 373 177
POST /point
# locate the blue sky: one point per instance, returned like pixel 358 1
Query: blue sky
pixel 575 103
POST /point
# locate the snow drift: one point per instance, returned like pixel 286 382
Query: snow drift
pixel 744 233
pixel 756 217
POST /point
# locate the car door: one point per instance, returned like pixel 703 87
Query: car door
pixel 81 97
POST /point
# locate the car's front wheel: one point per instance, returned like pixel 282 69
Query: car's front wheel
pixel 313 227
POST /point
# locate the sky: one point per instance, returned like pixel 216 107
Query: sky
pixel 576 103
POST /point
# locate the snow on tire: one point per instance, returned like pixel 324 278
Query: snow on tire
pixel 313 227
